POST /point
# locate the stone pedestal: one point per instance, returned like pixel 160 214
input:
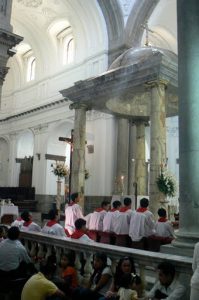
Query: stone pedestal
pixel 78 156
pixel 157 141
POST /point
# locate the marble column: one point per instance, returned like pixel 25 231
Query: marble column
pixel 157 141
pixel 121 180
pixel 140 159
pixel 188 60
pixel 131 163
pixel 78 156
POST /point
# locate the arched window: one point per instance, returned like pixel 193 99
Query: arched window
pixel 68 53
pixel 31 63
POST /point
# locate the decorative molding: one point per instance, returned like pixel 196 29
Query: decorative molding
pixel 9 39
pixel 31 3
pixel 55 157
pixel 34 110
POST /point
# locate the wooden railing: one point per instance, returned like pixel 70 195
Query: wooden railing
pixel 42 245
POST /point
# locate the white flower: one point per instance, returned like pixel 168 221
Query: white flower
pixel 60 170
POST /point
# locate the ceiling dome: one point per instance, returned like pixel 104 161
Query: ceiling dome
pixel 141 55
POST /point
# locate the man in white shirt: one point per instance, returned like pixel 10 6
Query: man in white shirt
pixel 73 211
pixel 13 255
pixel 52 226
pixel 167 286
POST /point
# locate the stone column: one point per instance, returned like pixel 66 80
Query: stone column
pixel 157 141
pixel 78 156
pixel 140 159
pixel 188 60
pixel 121 184
pixel 131 163
pixel 5 14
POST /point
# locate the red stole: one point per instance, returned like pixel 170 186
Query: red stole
pixel 124 209
pixel 26 224
pixel 142 209
pixel 162 219
pixel 51 223
pixel 99 209
pixel 77 234
pixel 113 209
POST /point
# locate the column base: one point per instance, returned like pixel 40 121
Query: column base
pixel 182 245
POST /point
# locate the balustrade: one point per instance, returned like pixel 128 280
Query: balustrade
pixel 41 245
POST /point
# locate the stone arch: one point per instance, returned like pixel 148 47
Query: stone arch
pixel 115 26
pixel 140 13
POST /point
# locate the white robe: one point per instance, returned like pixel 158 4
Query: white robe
pixel 55 229
pixel 72 213
pixel 121 222
pixel 108 221
pixel 141 225
pixel 96 220
pixel 164 229
pixel 32 227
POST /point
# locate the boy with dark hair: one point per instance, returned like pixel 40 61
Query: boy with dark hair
pixel 52 226
pixel 163 227
pixel 80 232
pixel 28 224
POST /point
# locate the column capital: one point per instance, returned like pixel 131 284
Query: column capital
pixel 155 83
pixel 79 105
pixel 40 129
pixel 140 122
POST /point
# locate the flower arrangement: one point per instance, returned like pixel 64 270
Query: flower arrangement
pixel 86 174
pixel 166 183
pixel 60 170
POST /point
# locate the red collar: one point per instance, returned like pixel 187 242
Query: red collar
pixel 142 209
pixel 162 219
pixel 124 209
pixel 99 209
pixel 26 224
pixel 113 209
pixel 77 234
pixel 51 223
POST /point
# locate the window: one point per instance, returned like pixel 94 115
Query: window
pixel 68 53
pixel 66 44
pixel 31 63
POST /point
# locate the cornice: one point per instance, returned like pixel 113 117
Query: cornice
pixel 34 110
